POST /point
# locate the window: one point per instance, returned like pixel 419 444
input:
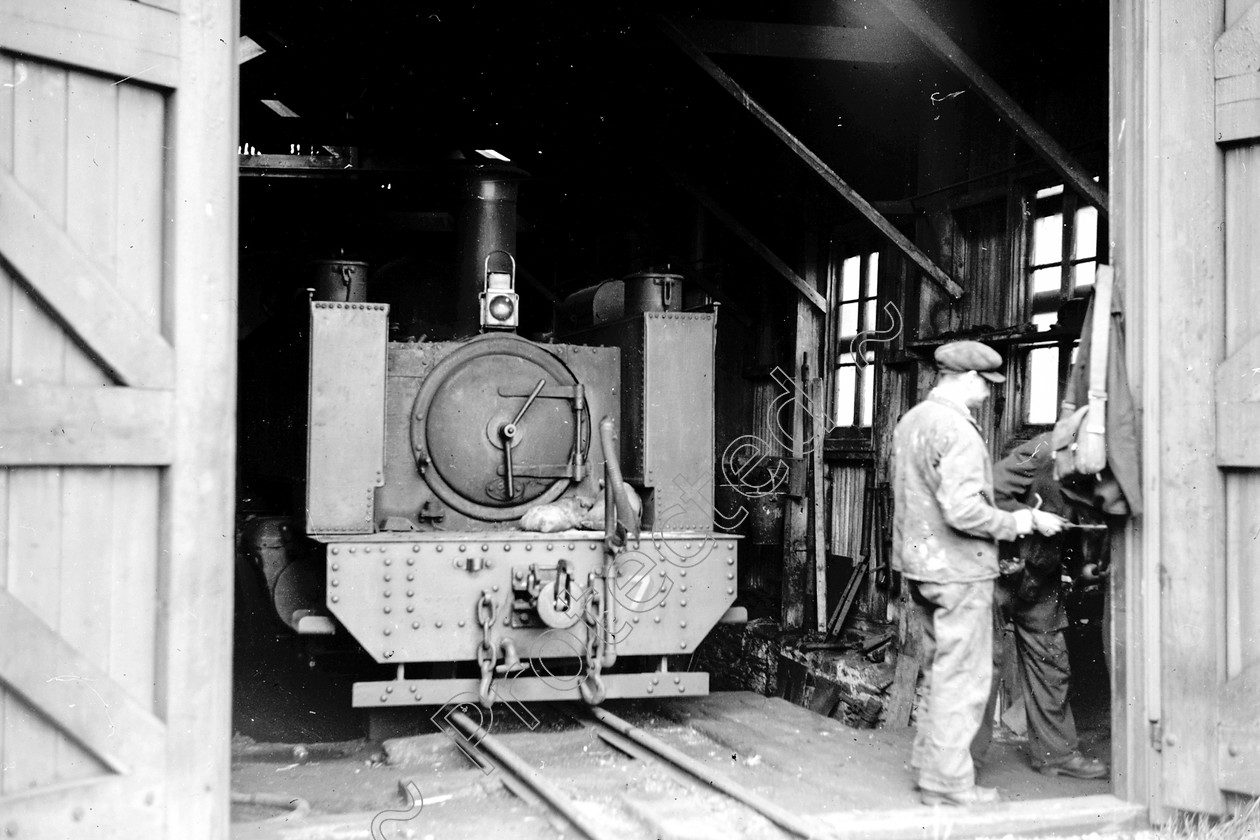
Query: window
pixel 857 293
pixel 1063 257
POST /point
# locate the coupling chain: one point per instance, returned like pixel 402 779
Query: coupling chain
pixel 592 686
pixel 487 655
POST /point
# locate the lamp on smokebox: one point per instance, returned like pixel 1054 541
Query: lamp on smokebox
pixel 498 297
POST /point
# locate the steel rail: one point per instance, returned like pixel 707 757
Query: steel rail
pixel 513 765
pixel 779 816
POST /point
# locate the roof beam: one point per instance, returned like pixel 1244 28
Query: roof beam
pixel 1059 159
pixel 780 40
pixel 847 193
pixel 247 49
pixel 750 239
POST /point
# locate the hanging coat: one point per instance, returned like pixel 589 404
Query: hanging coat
pixel 1118 489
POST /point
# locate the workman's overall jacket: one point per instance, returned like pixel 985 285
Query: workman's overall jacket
pixel 1025 478
pixel 945 529
pixel 945 525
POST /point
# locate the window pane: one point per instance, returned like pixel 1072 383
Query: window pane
pixel 1048 239
pixel 850 274
pixel 869 323
pixel 1045 320
pixel 849 320
pixel 1046 279
pixel 1083 275
pixel 868 395
pixel 1043 385
pixel 872 274
pixel 1050 191
pixel 845 392
pixel 1086 233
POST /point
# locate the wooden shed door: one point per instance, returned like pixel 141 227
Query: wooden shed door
pixel 1237 386
pixel 117 280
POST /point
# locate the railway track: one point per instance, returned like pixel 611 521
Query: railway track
pixel 653 757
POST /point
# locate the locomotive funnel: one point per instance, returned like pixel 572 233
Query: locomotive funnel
pixel 486 227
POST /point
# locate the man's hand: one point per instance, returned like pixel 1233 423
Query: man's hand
pixel 1047 524
pixel 1023 521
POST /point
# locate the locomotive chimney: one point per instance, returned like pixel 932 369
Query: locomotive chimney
pixel 485 225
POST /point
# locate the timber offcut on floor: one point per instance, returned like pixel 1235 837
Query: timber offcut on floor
pixel 848 782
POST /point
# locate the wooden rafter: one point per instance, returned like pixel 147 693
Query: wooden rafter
pixel 63 275
pixel 857 45
pixel 1059 159
pixel 846 192
pixel 750 239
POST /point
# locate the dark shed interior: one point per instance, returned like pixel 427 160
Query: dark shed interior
pixel 359 121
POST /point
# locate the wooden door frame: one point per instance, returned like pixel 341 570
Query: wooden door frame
pixel 1132 644
pixel 199 491
pixel 1168 230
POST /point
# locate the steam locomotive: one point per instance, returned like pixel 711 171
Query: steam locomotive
pixel 421 457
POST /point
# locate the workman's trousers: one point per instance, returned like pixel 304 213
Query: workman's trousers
pixel 1044 677
pixel 957 621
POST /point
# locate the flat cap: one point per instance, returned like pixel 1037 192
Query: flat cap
pixel 962 356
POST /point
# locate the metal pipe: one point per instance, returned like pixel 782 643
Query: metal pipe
pixel 777 815
pixel 529 776
pixel 611 549
pixel 485 223
pixel 610 499
pixel 610 612
pixel 613 461
pixel 616 503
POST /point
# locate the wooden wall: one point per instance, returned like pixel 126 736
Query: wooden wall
pixel 978 237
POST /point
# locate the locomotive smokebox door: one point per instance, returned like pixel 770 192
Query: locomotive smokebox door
pixel 500 425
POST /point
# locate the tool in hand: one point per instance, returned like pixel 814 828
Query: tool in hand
pixel 1078 526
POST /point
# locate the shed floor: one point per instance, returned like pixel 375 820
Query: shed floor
pixel 806 763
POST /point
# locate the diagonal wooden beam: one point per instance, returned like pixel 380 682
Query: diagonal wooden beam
pixel 1059 159
pixel 54 424
pixel 74 694
pixel 850 195
pixel 751 240
pixel 80 294
pixel 855 45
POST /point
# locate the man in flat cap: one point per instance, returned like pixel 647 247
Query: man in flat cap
pixel 945 533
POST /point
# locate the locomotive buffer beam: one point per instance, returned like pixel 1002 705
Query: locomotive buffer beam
pixel 381 694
